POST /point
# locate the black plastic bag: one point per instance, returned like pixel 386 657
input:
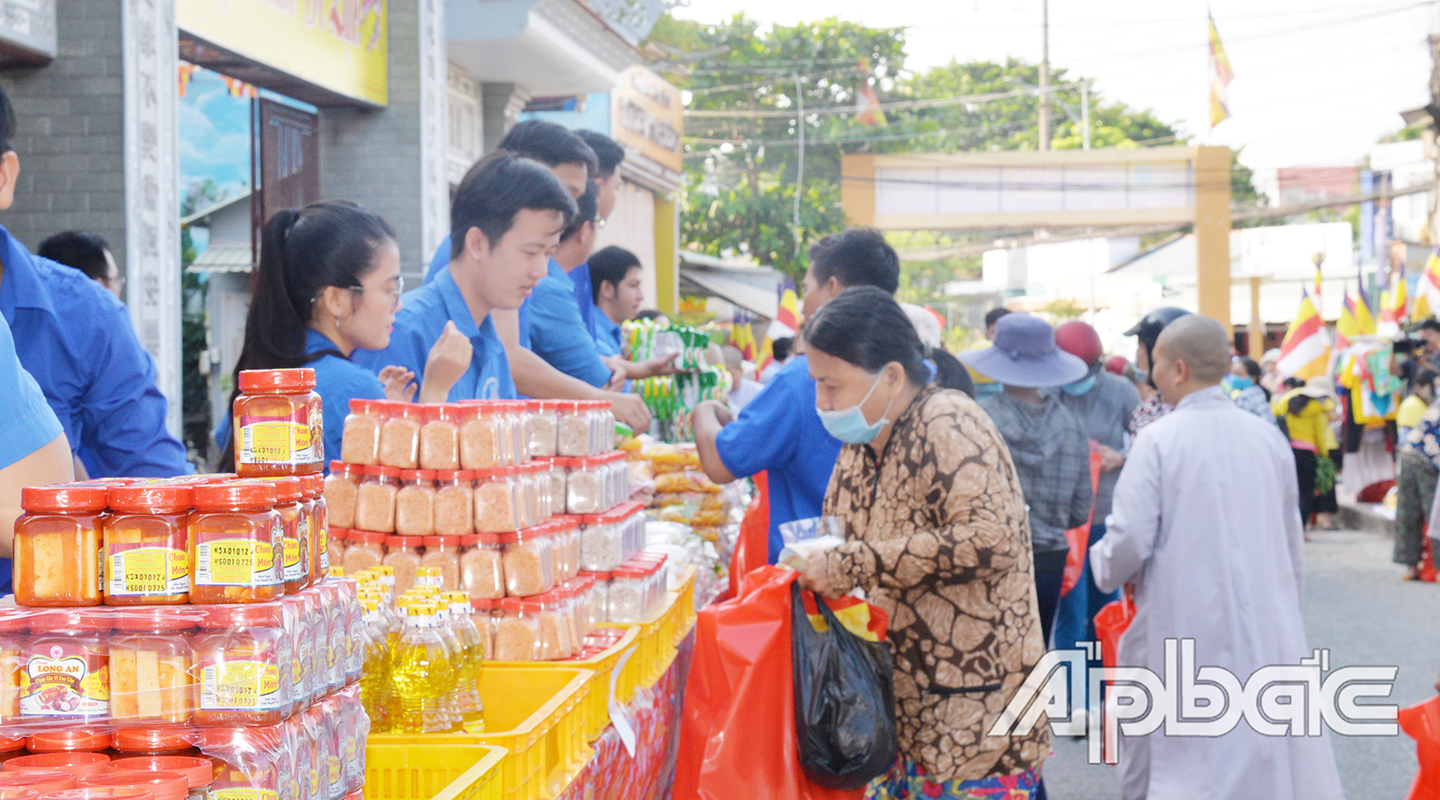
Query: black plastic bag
pixel 844 701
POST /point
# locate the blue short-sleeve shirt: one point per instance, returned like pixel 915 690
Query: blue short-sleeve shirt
pixel 441 259
pixel 30 424
pixel 558 334
pixel 608 340
pixel 585 295
pixel 780 432
pixel 75 338
pixel 418 326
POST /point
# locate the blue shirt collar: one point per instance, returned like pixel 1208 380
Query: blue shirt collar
pixel 20 287
pixel 557 271
pixel 315 341
pixel 455 306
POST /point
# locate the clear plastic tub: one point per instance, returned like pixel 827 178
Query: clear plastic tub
pixel 567 547
pixel 146 554
pixel 517 414
pixel 440 437
pixel 497 500
pixel 57 545
pixel 538 473
pixel 455 503
pixel 602 542
pixel 151 664
pixel 482 435
pixel 365 550
pixel 400 435
pixel 360 441
pixel 239 655
pixel 375 502
pixel 14 625
pixel 443 553
pixel 629 594
pixel 66 661
pixel 234 539
pixel 403 554
pixel 415 503
pixel 529 560
pixel 573 431
pixel 557 471
pixel 482 570
pixel 585 485
pixel 517 630
pixel 527 485
pixel 553 619
pixel 341 487
pixel 544 419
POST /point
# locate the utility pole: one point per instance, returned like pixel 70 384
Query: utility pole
pixel 1044 75
pixel 1085 112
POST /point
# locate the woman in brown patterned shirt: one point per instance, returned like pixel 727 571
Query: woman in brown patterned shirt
pixel 937 537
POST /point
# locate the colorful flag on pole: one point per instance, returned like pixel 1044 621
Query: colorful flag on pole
pixel 786 323
pixel 1220 77
pixel 1305 353
pixel 867 105
pixel 1347 329
pixel 741 337
pixel 1427 293
pixel 1364 319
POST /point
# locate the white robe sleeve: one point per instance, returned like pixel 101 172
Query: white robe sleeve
pixel 1294 526
pixel 1134 520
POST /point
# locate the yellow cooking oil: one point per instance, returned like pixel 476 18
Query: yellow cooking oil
pixel 472 709
pixel 421 674
pixel 375 690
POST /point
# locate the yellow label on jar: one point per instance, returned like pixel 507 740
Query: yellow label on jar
pixel 234 562
pixel 148 571
pixel 244 685
pixel 243 793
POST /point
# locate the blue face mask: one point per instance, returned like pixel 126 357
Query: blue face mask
pixel 1235 383
pixel 1079 387
pixel 849 425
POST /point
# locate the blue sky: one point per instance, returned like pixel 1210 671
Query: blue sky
pixel 214 136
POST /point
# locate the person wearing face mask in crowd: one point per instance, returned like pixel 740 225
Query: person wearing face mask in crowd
pixel 936 535
pixel 1147 330
pixel 1103 402
pixel 1047 443
pixel 1242 384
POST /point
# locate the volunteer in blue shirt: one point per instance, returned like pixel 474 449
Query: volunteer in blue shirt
pixel 615 281
pixel 33 449
pixel 608 154
pixel 506 217
pixel 779 431
pixel 327 284
pixel 558 333
pixel 77 341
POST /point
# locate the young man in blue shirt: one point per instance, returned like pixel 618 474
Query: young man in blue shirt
pixel 506 217
pixel 77 340
pixel 615 283
pixel 779 431
pixel 608 155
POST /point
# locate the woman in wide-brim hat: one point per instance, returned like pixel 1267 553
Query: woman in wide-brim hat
pixel 1048 445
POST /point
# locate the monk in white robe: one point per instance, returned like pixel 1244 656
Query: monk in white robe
pixel 1206 527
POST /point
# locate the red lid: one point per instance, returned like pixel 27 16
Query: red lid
pixel 252 615
pixel 102 793
pixel 478 538
pixel 563 524
pixel 64 498
pixel 312 485
pixel 78 764
pixel 68 741
pixel 417 475
pixel 156 618
pixel 234 495
pixel 11 745
pixel 517 605
pixel 397 409
pixel 287 490
pixel 368 537
pixel 367 408
pixel 14 620
pixel 526 534
pixel 404 541
pixel 339 534
pixel 595 576
pixel 384 472
pixel 165 785
pixel 277 380
pixel 152 740
pixel 442 541
pixel 198 772
pixel 86 620
pixel 41 780
pixel 149 498
pixel 441 412
pixel 347 470
pixel 492 473
pixel 454 475
pixel 483 604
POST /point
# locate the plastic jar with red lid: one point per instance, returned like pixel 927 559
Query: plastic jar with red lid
pixel 65 671
pixel 342 486
pixel 498 497
pixel 455 502
pixel 139 743
pixel 290 558
pixel 440 436
pixel 152 665
pixel 375 500
pixel 360 438
pixel 68 741
pixel 239 655
pixel 164 785
pixel 80 764
pixel 517 415
pixel 235 539
pixel 443 553
pixel 415 503
pixel 517 631
pixel 544 417
pixel 403 554
pixel 364 550
pixel 400 435
pixel 529 560
pixel 199 772
pixel 482 572
pixel 482 436
pixel 146 553
pixel 339 539
pixel 317 556
pixel 57 545
pixel 278 424
pixel 42 781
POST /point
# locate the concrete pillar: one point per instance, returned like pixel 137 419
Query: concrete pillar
pixel 1212 233
pixel 392 159
pixel 500 107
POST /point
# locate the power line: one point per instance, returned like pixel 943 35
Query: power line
pixel 1164 21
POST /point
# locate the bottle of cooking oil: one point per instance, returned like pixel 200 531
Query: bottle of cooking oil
pixel 375 689
pixel 421 674
pixel 472 710
pixel 453 701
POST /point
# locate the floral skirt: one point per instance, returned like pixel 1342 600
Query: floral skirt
pixel 907 781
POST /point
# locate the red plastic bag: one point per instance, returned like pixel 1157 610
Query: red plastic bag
pixel 737 735
pixel 1079 538
pixel 1110 622
pixel 752 547
pixel 1422 723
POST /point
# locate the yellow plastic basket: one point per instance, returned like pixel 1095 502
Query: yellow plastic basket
pixel 441 772
pixel 603 665
pixel 540 716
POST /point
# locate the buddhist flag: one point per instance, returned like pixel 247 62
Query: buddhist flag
pixel 1220 77
pixel 1427 293
pixel 1347 330
pixel 785 325
pixel 1306 350
pixel 1364 320
pixel 867 105
pixel 1392 309
pixel 741 337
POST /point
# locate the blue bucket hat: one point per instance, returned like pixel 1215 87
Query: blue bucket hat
pixel 1025 355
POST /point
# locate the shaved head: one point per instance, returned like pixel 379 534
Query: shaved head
pixel 1198 341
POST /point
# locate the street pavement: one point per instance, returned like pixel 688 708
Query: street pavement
pixel 1357 606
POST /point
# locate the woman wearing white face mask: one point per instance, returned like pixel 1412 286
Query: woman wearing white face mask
pixel 936 535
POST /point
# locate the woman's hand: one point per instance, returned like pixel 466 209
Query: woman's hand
pixel 447 361
pixel 399 384
pixel 816 579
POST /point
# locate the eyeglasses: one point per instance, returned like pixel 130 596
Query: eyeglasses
pixel 394 293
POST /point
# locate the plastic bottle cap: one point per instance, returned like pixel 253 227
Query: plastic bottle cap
pixel 198 772
pixel 150 498
pixel 277 380
pixel 234 495
pixel 80 765
pixel 287 489
pixel 165 785
pixel 64 498
pixel 41 780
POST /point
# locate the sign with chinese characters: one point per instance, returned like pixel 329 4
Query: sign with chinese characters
pixel 340 46
pixel 649 117
pixel 27 31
